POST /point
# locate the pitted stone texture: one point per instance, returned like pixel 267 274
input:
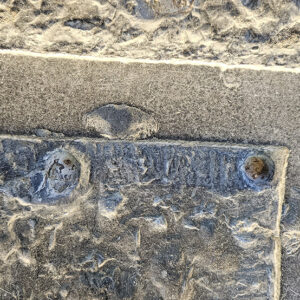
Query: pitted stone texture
pixel 120 122
pixel 232 31
pixel 151 220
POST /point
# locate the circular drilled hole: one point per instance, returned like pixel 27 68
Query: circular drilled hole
pixel 62 173
pixel 258 169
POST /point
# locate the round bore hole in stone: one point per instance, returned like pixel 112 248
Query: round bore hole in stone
pixel 62 173
pixel 258 169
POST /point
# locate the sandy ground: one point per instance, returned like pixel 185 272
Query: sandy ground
pixel 234 31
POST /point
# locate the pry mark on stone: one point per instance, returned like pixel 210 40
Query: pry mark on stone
pixel 41 132
pixel 120 121
pixel 84 24
pixel 252 4
pixel 253 37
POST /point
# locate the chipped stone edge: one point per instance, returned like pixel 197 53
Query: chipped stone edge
pixel 270 149
pixel 200 63
pixel 283 162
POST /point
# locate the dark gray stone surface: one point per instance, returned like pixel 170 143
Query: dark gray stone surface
pixel 290 228
pixel 189 100
pixel 96 219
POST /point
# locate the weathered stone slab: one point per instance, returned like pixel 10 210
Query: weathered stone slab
pixel 95 219
pixel 189 100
